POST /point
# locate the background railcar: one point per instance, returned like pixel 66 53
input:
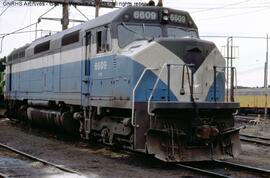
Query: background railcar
pixel 138 77
pixel 252 100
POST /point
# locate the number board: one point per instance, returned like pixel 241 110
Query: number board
pixel 157 16
pixel 178 18
pixel 145 15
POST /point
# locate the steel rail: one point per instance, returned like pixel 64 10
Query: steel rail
pixel 234 166
pixel 38 159
pixel 203 171
pixel 250 139
pixel 253 136
pixel 254 141
pixel 246 167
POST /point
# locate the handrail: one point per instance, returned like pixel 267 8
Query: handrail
pixel 235 78
pixel 134 92
pixel 154 88
pixel 155 85
pixel 235 72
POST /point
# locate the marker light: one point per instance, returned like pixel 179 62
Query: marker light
pixel 165 18
pixel 165 11
pixel 126 17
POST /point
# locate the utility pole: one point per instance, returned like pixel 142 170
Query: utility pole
pixel 266 78
pixel 227 68
pixel 160 3
pixel 232 73
pixel 65 19
pixel 230 70
pixel 98 2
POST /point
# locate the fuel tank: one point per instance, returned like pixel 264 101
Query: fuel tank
pixel 53 120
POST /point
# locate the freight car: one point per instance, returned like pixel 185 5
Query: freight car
pixel 252 100
pixel 138 77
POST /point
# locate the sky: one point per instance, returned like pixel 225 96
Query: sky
pixel 216 20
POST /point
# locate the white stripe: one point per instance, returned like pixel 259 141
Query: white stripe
pixel 65 57
pixel 155 56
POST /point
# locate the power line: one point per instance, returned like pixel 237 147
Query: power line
pixel 22 28
pixel 2 37
pixel 213 2
pixel 243 37
pixel 209 6
pixel 230 8
pixel 48 11
pixel 81 13
pixel 5 10
pixel 236 14
pixel 250 70
pixel 66 3
pixel 221 7
pixel 30 31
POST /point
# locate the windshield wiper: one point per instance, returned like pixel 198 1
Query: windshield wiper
pixel 129 29
pixel 140 34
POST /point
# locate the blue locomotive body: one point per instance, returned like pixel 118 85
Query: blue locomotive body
pixel 139 77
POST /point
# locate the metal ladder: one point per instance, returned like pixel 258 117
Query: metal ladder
pixel 87 122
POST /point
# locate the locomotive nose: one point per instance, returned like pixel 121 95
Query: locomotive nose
pixel 190 50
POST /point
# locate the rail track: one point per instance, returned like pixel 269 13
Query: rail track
pixel 223 169
pixel 30 161
pixel 255 139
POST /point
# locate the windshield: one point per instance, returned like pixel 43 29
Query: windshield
pixel 178 32
pixel 128 33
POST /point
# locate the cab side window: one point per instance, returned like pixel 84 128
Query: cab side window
pixel 103 40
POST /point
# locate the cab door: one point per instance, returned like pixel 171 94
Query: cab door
pixel 86 70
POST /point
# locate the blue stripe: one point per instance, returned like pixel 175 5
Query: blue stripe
pixel 220 89
pixel 115 82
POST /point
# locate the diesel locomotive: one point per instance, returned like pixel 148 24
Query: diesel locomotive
pixel 138 77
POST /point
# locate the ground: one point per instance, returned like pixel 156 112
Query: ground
pixel 252 154
pixel 90 159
